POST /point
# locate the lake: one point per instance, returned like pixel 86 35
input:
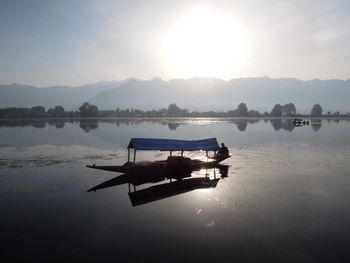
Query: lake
pixel 284 196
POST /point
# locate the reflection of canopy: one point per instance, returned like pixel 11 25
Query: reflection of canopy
pixel 173 145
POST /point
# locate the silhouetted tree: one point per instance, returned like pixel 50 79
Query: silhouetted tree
pixel 242 110
pixel 277 111
pixel 59 111
pixel 254 113
pixel 37 111
pixel 174 110
pixel 231 113
pixel 316 110
pixel 88 110
pixel 51 112
pixel 289 109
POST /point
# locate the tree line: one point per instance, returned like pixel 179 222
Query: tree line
pixel 85 110
pixel 90 110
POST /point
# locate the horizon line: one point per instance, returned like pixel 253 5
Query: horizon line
pixel 168 80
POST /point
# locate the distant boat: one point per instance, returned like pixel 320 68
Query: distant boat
pixel 300 122
pixel 173 164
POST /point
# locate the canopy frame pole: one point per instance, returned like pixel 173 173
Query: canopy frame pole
pixel 134 155
pixel 128 154
pixel 182 153
pixel 171 153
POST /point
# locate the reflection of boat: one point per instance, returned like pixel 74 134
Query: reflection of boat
pixel 300 122
pixel 174 164
pixel 137 180
pixel 177 184
pixel 166 190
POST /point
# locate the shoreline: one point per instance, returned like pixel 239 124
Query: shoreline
pixel 172 118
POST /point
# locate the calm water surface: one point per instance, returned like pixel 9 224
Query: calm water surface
pixel 285 196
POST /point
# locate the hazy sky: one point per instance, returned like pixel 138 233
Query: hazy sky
pixel 83 41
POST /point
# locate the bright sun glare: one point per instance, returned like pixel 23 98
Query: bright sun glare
pixel 204 43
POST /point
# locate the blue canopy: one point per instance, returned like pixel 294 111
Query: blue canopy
pixel 173 145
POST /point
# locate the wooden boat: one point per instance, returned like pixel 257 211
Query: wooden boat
pixel 173 164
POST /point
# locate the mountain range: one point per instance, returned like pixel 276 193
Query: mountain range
pixel 194 94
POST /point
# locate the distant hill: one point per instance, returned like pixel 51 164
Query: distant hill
pixel 193 94
pixel 17 95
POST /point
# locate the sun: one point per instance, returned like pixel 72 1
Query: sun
pixel 206 43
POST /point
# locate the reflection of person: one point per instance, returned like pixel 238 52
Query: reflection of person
pixel 223 152
pixel 223 169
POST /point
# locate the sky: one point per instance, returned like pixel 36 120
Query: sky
pixel 65 42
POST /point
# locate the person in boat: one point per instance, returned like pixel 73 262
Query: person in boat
pixel 223 152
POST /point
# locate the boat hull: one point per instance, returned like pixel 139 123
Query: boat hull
pixel 158 167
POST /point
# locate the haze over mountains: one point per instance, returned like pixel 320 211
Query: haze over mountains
pixel 194 94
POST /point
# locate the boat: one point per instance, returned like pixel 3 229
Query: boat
pixel 173 164
pixel 300 122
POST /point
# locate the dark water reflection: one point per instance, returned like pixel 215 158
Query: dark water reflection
pixel 285 124
pixel 92 124
pixel 173 126
pixel 58 123
pixel 242 125
pixel 316 124
pixel 283 196
pixel 164 185
pixel 88 125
